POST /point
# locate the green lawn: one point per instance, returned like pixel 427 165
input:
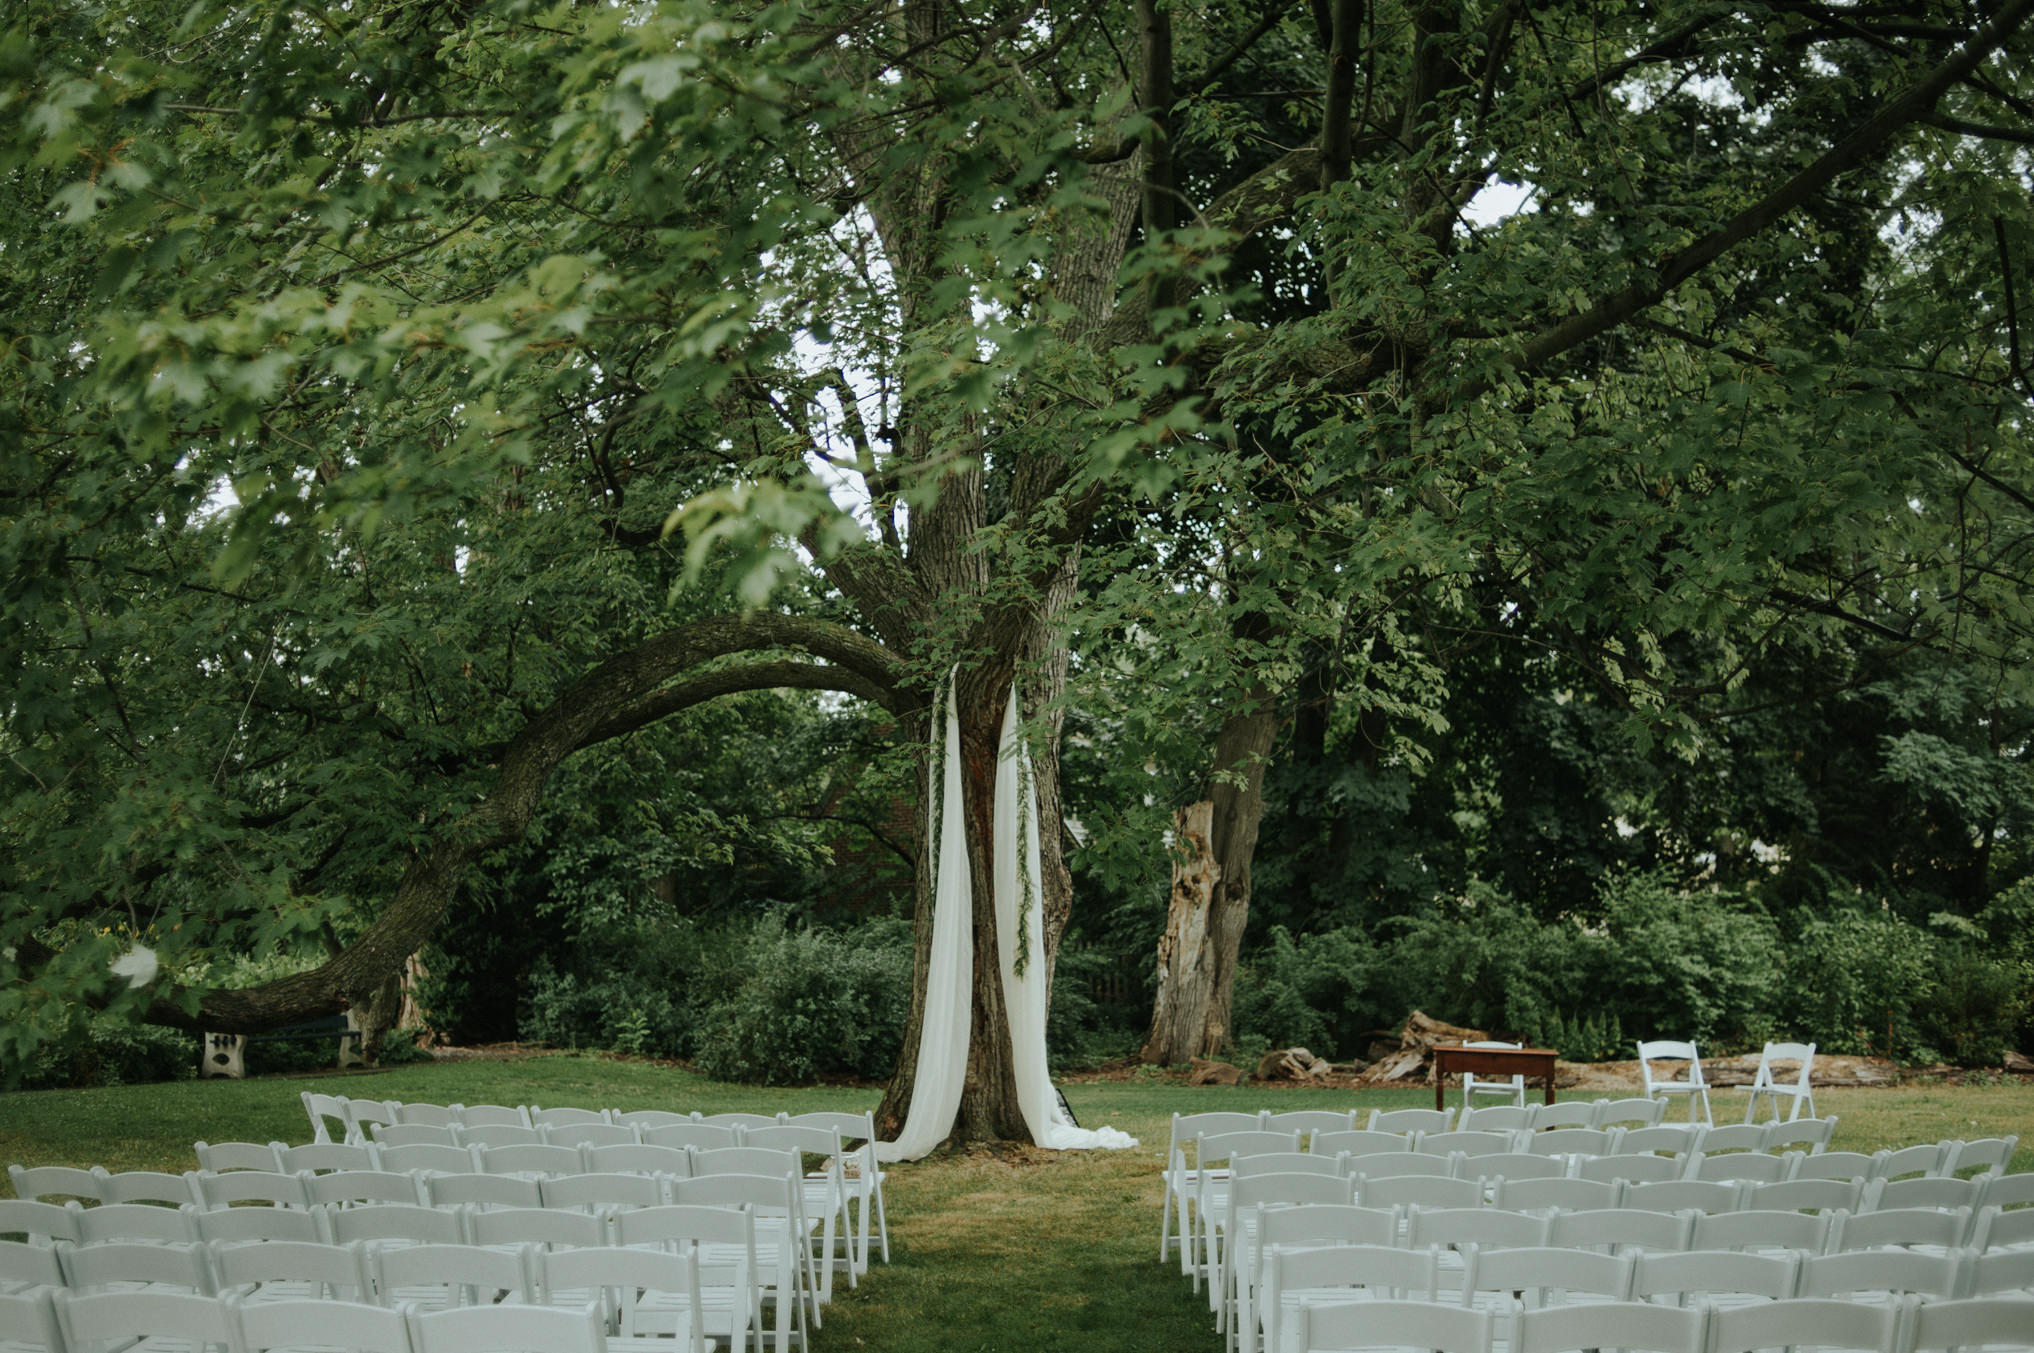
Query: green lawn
pixel 1001 1249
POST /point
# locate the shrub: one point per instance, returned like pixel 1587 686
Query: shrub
pixel 810 1002
pixel 1852 981
pixel 1307 991
pixel 1691 965
pixel 108 1050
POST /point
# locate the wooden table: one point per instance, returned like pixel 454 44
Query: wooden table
pixel 1507 1062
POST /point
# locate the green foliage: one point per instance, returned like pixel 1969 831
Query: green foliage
pixel 113 1051
pixel 1854 977
pixel 1308 991
pixel 803 1003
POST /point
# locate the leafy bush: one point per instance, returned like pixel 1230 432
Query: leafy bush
pixel 810 1002
pixel 1310 991
pixel 1852 981
pixel 1694 965
pixel 108 1050
pixel 630 989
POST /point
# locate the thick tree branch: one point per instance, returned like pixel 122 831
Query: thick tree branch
pixel 1610 311
pixel 1340 100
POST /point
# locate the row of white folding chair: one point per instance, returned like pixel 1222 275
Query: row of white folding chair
pixel 1504 1282
pixel 401 1124
pixel 1270 1216
pixel 159 1322
pixel 397 1243
pixel 1906 1326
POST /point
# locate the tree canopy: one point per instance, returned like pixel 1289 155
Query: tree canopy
pixel 401 399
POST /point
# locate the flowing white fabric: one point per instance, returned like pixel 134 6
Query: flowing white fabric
pixel 1020 941
pixel 942 1067
pixel 1020 925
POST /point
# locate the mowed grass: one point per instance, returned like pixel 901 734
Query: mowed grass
pixel 991 1248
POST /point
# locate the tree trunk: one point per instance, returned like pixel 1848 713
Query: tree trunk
pixel 1210 904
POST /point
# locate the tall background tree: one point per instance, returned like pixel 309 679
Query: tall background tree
pixel 356 361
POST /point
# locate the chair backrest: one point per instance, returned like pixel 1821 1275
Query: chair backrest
pixel 486 1135
pixel 1497 1118
pixel 1999 1273
pixel 1775 1081
pixel 1681 1195
pixel 258 1225
pixel 1735 1137
pixel 529 1158
pixel 354 1326
pixel 698 1136
pixel 1484 1227
pixel 482 1191
pixel 1838 1165
pixel 1359 1142
pixel 146 1186
pixel 1744 1165
pixel 1222 1146
pixel 1997 1228
pixel 451 1275
pixel 1620 1229
pixel 589 1134
pixel 101 1321
pixel 1385 1271
pixel 338 1272
pixel 1902 1226
pixel 1701 1273
pixel 23 1265
pixel 326 1112
pixel 1411 1120
pixel 739 1119
pixel 508 1329
pixel 427 1158
pixel 1673 1139
pixel 649 1118
pixel 594 1193
pixel 397 1224
pixel 220 1157
pixel 1922 1158
pixel 1311 1120
pixel 492 1115
pixel 1811 1134
pixel 2007 1190
pixel 138 1221
pixel 1941 1191
pixel 1576 1141
pixel 1610 1324
pixel 1327 1224
pixel 1289 1162
pixel 1806 1195
pixel 770 1161
pixel 28 1321
pixel 1519 1165
pixel 1557 1194
pixel 1418 1191
pixel 560 1117
pixel 38 1223
pixel 1815 1322
pixel 321 1157
pixel 1639 1168
pixel 1986 1153
pixel 44 1183
pixel 414 1134
pixel 250 1186
pixel 134 1263
pixel 1974 1323
pixel 1854 1274
pixel 1571 1113
pixel 1637 1111
pixel 428 1115
pixel 549 1227
pixel 640 1158
pixel 1468 1143
pixel 1762 1230
pixel 1247 1191
pixel 347 1187
pixel 1543 1275
pixel 364 1115
pixel 1390 1164
pixel 1346 1326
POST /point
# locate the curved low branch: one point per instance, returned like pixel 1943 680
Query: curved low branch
pixel 621 694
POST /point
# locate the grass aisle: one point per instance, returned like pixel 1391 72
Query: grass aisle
pixel 1006 1249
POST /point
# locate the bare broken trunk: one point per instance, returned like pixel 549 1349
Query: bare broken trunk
pixel 1210 900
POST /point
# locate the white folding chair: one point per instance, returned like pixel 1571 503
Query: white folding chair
pixel 326 1112
pixel 1405 1121
pixel 588 1134
pixel 217 1191
pixel 1838 1165
pixel 1182 1183
pixel 1570 1113
pixel 325 1157
pixel 538 1229
pixel 496 1136
pixel 561 1117
pixel 1620 1230
pixel 441 1277
pixel 731 1304
pixel 1999 1273
pixel 651 1297
pixel 287 1270
pixel 28 1321
pixel 345 1188
pixel 782 1275
pixel 1503 1281
pixel 1311 1225
pixel 259 1225
pixel 594 1193
pixel 482 1192
pixel 1233 1232
pixel 38 1223
pixel 42 1183
pixel 364 1116
pixel 1513 1089
pixel 1750 1167
pixel 1763 1231
pixel 1497 1118
pixel 146 1186
pixel 1662 1083
pixel 24 1266
pixel 649 1118
pixel 1631 1168
pixel 1310 1120
pixel 1874 1275
pixel 395 1225
pixel 138 1222
pixel 1905 1227
pixel 1767 1080
pixel 138 1266
pixel 1635 1112
pixel 417 1114
pixel 1993 1154
pixel 1297 1282
pixel 865 1175
pixel 1806 1195
pixel 492 1115
pixel 1578 1143
pixel 687 1134
pixel 1554 1195
pixel 427 1158
pixel 145 1322
pixel 826 1188
pixel 1922 1158
pixel 1813 1134
pixel 1670 1139
pixel 640 1158
pixel 1468 1143
pixel 533 1160
pixel 1213 1154
pixel 738 1119
pixel 1681 1195
pixel 415 1134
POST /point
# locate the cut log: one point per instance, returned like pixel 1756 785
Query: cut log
pixel 1205 1072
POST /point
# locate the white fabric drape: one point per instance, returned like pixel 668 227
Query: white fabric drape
pixel 1020 928
pixel 1020 931
pixel 942 1067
